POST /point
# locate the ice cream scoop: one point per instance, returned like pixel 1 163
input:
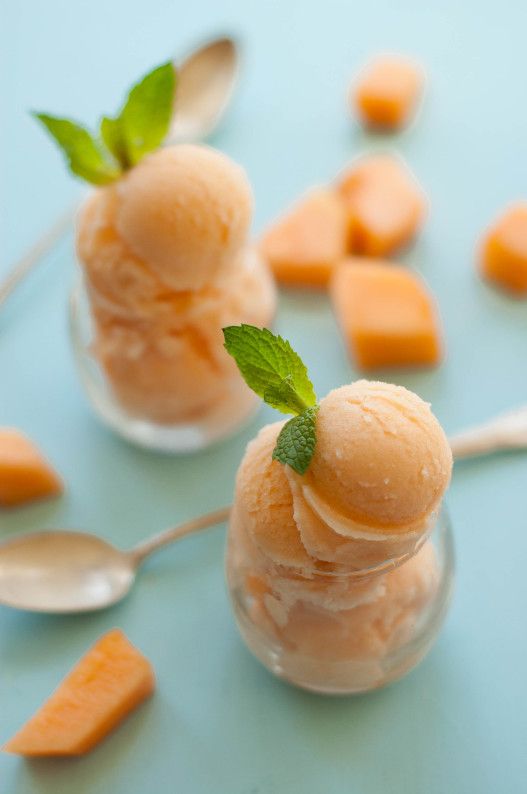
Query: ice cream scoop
pixel 381 466
pixel 382 458
pixel 265 502
pixel 186 210
pixel 166 264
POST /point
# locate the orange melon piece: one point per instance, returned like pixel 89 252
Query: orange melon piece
pixel 504 250
pixel 304 246
pixel 105 685
pixel 385 205
pixel 25 475
pixel 387 91
pixel 387 316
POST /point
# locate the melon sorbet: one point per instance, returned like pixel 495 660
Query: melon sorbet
pixel 167 265
pixel 336 565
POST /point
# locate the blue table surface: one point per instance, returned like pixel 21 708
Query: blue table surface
pixel 219 722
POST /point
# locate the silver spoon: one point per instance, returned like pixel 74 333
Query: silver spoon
pixel 67 571
pixel 206 81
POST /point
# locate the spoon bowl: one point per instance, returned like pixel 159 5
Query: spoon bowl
pixel 205 84
pixel 63 571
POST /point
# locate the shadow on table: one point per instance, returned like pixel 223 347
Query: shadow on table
pixel 417 735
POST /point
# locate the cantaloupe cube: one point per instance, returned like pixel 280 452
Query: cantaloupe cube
pixel 385 205
pixel 504 250
pixel 105 685
pixel 387 91
pixel 25 475
pixel 303 247
pixel 387 316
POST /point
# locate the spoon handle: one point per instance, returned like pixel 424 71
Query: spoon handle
pixel 147 547
pixel 508 431
pixel 32 257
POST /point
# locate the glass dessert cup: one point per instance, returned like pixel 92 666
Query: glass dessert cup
pixel 223 418
pixel 341 632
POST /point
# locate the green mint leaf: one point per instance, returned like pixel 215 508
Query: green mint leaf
pixel 145 118
pixel 111 134
pixel 85 156
pixel 295 444
pixel 271 368
pixel 284 394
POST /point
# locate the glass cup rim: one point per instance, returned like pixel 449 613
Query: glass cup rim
pixel 338 571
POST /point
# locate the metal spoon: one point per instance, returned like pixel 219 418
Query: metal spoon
pixel 67 571
pixel 206 81
pixel 64 571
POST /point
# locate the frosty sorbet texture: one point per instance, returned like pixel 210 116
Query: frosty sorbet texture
pixel 308 549
pixel 167 265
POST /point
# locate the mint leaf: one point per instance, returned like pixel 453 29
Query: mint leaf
pixel 145 117
pixel 85 156
pixel 271 368
pixel 140 128
pixel 295 444
pixel 284 393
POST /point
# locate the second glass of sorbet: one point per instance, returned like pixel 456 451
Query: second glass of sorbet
pixel 165 264
pixel 340 579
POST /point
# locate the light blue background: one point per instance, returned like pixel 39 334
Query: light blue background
pixel 219 723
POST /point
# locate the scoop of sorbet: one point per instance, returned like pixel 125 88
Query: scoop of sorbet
pixel 381 460
pixel 185 210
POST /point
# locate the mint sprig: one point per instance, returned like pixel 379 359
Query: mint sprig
pixel 273 370
pixel 123 141
pixel 85 156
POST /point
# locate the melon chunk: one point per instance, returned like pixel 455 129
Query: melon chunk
pixel 504 250
pixel 387 91
pixel 25 475
pixel 386 314
pixel 106 684
pixel 304 246
pixel 385 205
